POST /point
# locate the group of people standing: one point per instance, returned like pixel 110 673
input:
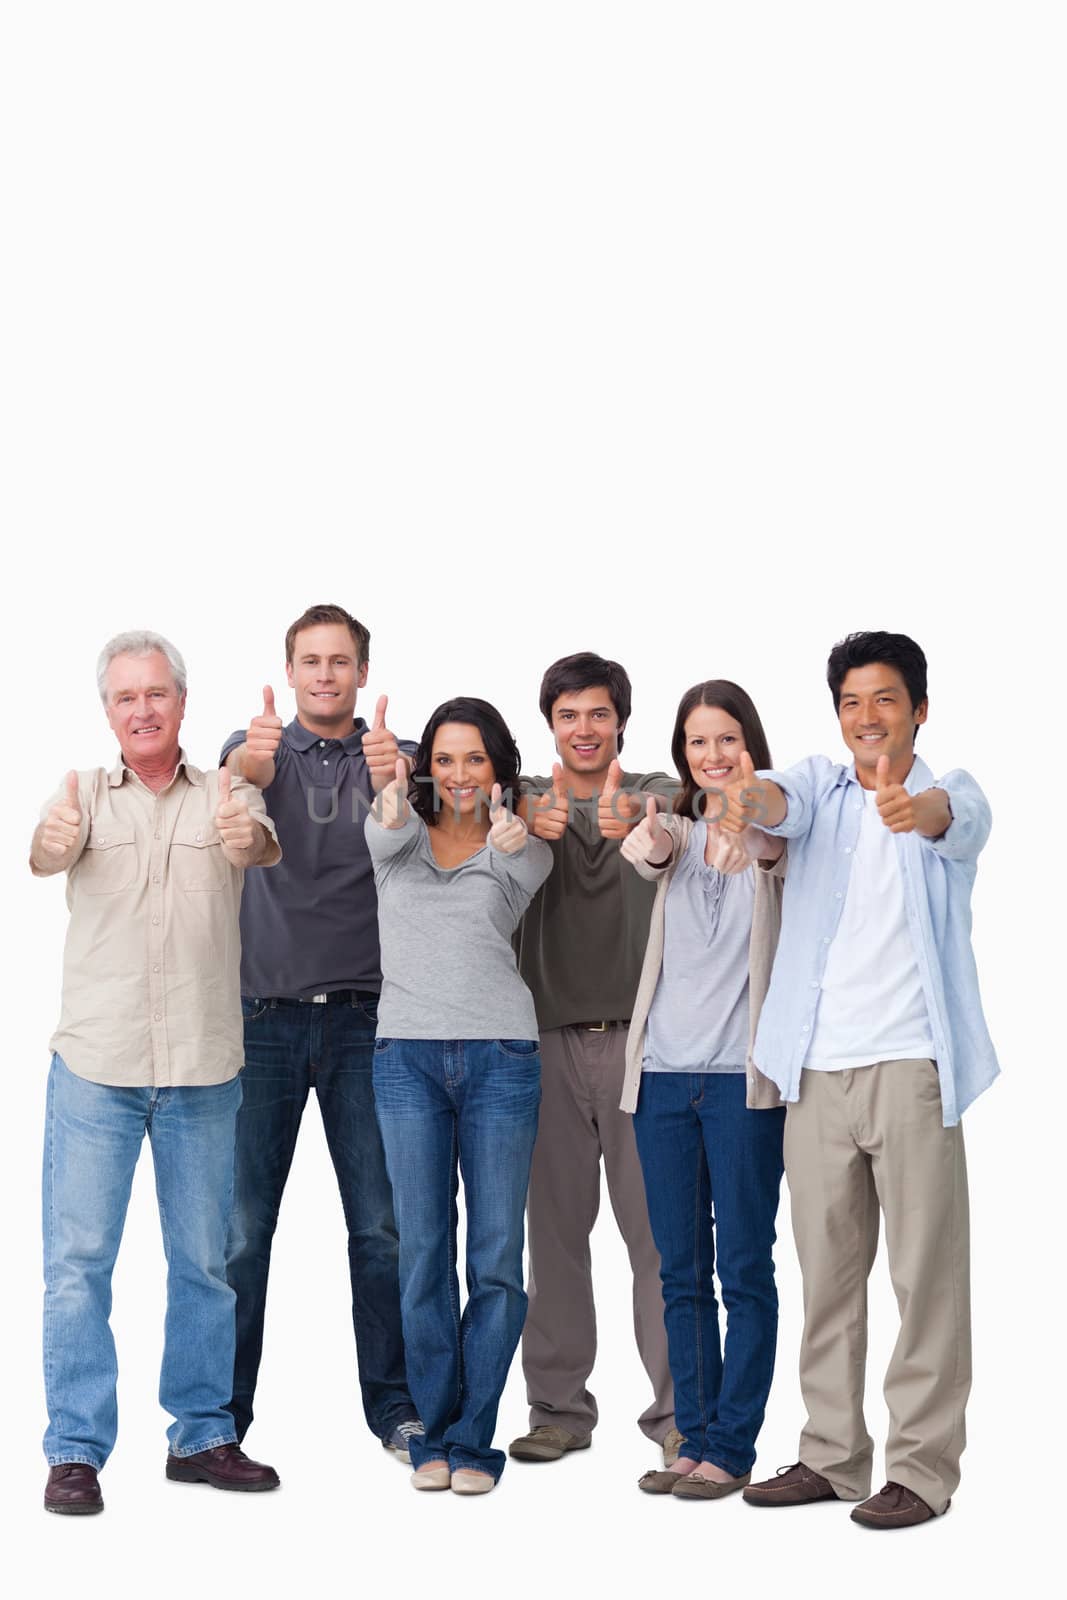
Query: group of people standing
pixel 508 980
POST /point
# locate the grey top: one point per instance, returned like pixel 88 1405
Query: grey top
pixel 699 1016
pixel 310 924
pixel 448 968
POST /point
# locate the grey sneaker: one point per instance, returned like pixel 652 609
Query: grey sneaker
pixel 547 1444
pixel 401 1436
pixel 672 1446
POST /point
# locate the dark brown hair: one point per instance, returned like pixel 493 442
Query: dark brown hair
pixel 317 617
pixel 572 674
pixel 732 699
pixel 500 747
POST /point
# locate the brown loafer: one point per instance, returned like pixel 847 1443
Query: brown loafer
pixel 547 1443
pixel 224 1467
pixel 657 1482
pixel 72 1490
pixel 894 1507
pixel 792 1486
pixel 696 1487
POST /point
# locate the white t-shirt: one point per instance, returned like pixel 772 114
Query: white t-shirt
pixel 871 1007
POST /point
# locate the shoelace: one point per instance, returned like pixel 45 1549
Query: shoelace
pixel 410 1430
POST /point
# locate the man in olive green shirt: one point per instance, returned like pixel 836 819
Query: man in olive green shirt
pixel 581 945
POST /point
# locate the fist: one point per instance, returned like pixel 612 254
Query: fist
pixel 895 805
pixel 649 841
pixel 233 818
pixel 616 812
pixel 265 731
pixel 506 832
pixel 549 812
pixel 59 832
pixel 727 852
pixel 391 807
pixel 380 749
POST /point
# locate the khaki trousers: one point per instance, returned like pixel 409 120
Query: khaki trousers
pixel 581 1083
pixel 857 1141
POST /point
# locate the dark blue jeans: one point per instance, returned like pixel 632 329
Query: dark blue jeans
pixel 701 1148
pixel 291 1047
pixel 473 1102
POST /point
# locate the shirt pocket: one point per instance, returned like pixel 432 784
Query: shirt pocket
pixel 196 861
pixel 108 863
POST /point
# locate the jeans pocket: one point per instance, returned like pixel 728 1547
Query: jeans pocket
pixel 252 1009
pixel 521 1049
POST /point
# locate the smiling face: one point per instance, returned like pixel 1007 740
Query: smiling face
pixel 878 719
pixel 586 728
pixel 462 769
pixel 713 742
pixel 144 709
pixel 325 675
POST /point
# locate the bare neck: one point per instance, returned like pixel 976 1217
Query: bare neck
pixel 156 774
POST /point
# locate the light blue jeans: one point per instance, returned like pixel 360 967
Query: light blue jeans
pixel 93 1135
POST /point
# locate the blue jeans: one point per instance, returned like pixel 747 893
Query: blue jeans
pixel 93 1135
pixel 291 1046
pixel 701 1147
pixel 474 1101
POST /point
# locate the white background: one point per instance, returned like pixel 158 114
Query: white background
pixel 697 335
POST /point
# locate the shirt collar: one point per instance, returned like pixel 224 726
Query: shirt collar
pixel 194 774
pixel 919 778
pixel 301 739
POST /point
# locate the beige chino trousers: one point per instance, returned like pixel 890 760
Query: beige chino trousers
pixel 581 1084
pixel 857 1142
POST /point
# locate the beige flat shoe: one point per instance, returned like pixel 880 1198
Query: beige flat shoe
pixel 695 1487
pixel 470 1482
pixel 431 1478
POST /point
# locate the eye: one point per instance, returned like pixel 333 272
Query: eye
pixel 728 738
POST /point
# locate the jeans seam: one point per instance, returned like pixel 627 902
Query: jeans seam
pixel 453 1251
pixel 698 1339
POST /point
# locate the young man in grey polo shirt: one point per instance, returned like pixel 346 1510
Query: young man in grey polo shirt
pixel 581 945
pixel 310 980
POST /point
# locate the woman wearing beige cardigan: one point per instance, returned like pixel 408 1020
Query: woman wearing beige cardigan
pixel 708 1124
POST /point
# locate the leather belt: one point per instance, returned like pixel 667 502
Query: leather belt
pixel 601 1027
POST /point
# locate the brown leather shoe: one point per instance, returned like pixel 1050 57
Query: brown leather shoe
pixel 893 1507
pixel 72 1490
pixel 792 1486
pixel 225 1467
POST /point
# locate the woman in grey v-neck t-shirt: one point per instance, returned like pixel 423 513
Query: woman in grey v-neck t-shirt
pixel 457 1076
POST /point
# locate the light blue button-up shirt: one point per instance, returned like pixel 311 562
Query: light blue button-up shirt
pixel 822 824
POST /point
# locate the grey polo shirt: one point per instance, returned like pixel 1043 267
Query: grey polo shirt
pixel 314 927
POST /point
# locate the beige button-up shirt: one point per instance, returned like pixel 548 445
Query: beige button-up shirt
pixel 151 967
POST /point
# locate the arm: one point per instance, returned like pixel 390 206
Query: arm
pixel 254 760
pixel 247 833
pixel 650 847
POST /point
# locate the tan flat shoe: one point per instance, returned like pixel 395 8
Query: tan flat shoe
pixel 431 1478
pixel 466 1481
pixel 697 1488
pixel 658 1482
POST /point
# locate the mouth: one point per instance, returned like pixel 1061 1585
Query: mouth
pixel 467 792
pixel 870 738
pixel 716 774
pixel 152 727
pixel 324 694
pixel 585 749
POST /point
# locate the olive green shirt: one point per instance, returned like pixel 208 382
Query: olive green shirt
pixel 582 942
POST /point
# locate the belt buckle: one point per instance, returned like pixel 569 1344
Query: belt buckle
pixel 318 999
pixel 597 1027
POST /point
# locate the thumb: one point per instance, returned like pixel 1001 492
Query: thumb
pixel 224 785
pixel 72 791
pixel 748 771
pixel 401 771
pixel 268 702
pixel 614 778
pixel 494 799
pixel 652 813
pixel 557 778
pixel 882 772
pixel 379 711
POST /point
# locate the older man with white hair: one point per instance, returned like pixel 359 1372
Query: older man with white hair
pixel 149 1041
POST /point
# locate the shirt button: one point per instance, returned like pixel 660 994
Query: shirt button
pixel 804 1029
pixel 156 879
pixel 322 744
pixel 814 983
pixel 199 837
pixel 325 763
pixel 848 849
pixel 837 894
pixel 158 835
pixel 826 941
pixel 155 968
pixel 159 1016
pixel 155 922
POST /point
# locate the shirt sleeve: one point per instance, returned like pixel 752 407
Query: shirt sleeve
pixel 972 819
pixel 257 807
pixel 801 787
pixel 652 783
pixel 235 739
pixel 386 844
pixel 528 867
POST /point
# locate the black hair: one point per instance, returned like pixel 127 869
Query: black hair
pixel 864 649
pixel 732 699
pixel 499 743
pixel 571 674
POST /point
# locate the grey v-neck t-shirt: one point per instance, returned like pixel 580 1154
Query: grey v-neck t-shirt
pixel 448 967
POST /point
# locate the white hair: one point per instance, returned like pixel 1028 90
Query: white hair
pixel 139 643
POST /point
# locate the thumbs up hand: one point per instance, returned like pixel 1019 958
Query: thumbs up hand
pixel 549 812
pixel 895 805
pixel 649 841
pixel 265 730
pixel 616 811
pixel 380 749
pixel 61 827
pixel 743 798
pixel 507 832
pixel 391 807
pixel 232 816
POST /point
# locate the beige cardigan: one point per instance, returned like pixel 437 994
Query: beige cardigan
pixel 761 1093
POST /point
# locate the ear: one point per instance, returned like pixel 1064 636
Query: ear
pixel 289 674
pixel 920 713
pixel 181 708
pixel 361 677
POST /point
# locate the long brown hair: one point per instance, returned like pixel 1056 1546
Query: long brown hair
pixel 732 699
